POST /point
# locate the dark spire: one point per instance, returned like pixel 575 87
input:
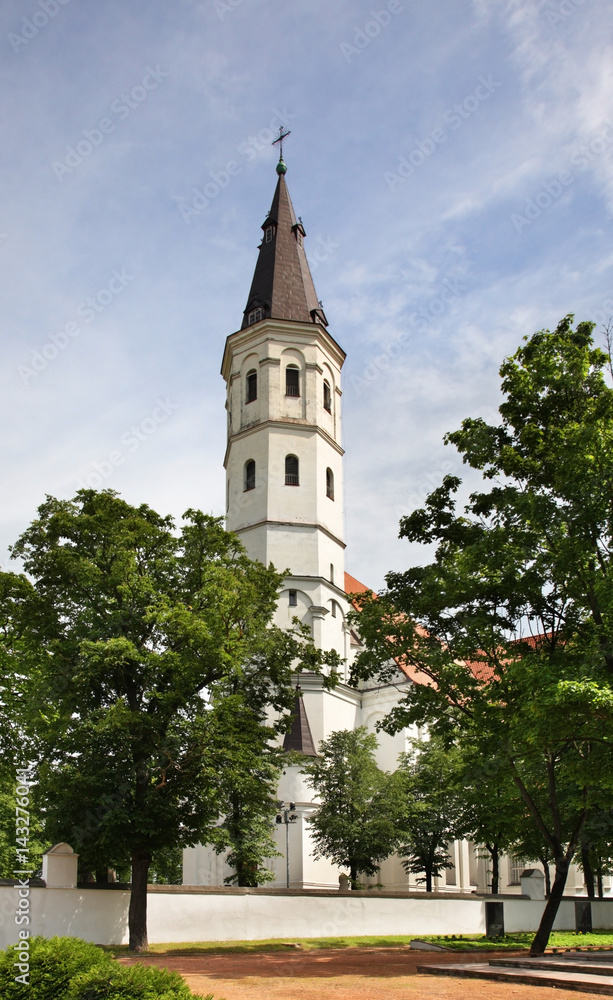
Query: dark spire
pixel 282 286
pixel 299 737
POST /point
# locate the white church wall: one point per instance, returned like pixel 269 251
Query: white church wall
pixel 377 702
pixel 330 553
pixel 203 866
pixel 339 710
pixel 179 913
pixel 293 548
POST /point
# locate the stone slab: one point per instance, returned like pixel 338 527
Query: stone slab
pixel 582 982
pixel 558 963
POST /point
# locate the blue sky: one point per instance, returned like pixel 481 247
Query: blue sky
pixel 451 161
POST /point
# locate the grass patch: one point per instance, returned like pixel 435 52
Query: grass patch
pixel 457 942
pixel 269 944
pixel 516 942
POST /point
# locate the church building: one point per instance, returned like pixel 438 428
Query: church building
pixel 284 499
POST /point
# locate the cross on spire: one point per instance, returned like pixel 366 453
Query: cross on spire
pixel 282 135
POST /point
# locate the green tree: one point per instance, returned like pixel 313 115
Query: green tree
pixel 432 785
pixel 357 823
pixel 513 621
pixel 13 838
pixel 246 765
pixel 595 856
pixel 493 812
pixel 132 631
pixel 16 747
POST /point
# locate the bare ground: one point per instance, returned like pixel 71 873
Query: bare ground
pixel 349 974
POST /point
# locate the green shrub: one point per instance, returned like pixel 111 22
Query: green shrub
pixel 54 962
pixel 64 968
pixel 130 982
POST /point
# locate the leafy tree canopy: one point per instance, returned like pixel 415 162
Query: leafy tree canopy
pixel 433 787
pixel 513 621
pixel 245 767
pixel 123 634
pixel 358 821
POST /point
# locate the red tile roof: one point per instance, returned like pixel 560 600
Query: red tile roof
pixel 480 669
pixel 353 586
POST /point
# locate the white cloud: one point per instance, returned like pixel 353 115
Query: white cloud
pixel 350 122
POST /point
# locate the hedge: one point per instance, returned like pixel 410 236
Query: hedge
pixel 63 968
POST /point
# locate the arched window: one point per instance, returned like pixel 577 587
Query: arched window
pixel 292 477
pixel 252 385
pixel 327 397
pixel 249 475
pixel 292 380
pixel 330 484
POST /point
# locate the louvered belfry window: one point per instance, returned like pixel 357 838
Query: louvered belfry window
pixel 249 475
pixel 292 381
pixel 327 397
pixel 252 386
pixel 292 477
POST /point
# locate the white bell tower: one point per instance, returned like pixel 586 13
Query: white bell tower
pixel 284 482
pixel 284 471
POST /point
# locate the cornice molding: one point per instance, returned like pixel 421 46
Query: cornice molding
pixel 280 331
pixel 290 524
pixel 296 425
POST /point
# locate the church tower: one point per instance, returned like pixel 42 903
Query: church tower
pixel 284 499
pixel 284 472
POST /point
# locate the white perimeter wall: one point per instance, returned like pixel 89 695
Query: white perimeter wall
pixel 175 916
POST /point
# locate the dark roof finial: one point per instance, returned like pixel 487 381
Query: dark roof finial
pixel 281 166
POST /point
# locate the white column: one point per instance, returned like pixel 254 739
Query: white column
pixel 463 855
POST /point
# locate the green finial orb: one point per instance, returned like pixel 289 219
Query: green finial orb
pixel 281 167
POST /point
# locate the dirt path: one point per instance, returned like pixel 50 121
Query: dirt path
pixel 349 974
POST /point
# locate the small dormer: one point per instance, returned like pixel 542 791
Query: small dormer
pixel 319 316
pixel 255 315
pixel 270 231
pixel 255 312
pixel 298 231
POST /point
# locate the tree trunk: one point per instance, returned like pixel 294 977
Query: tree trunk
pixel 545 863
pixel 588 874
pixel 353 876
pixel 428 880
pixel 600 885
pixel 541 938
pixel 495 868
pixel 137 918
